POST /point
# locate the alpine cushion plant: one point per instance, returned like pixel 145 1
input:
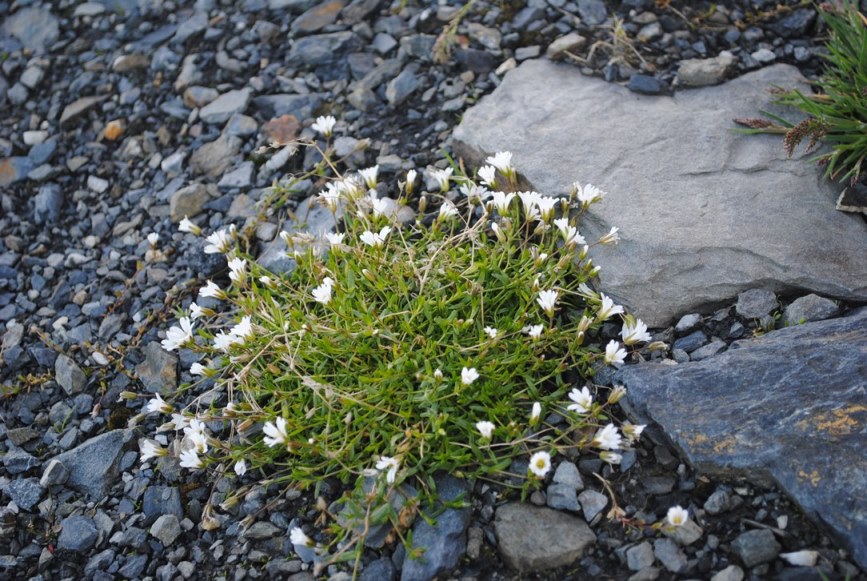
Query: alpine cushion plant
pixel 837 113
pixel 402 349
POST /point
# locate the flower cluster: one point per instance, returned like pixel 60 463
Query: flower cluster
pixel 395 350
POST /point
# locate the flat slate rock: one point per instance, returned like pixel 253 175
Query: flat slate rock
pixel 788 407
pixel 704 213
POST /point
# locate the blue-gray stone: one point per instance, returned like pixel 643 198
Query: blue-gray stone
pixel 17 461
pixel 78 534
pixel 645 84
pixel 14 170
pixel 562 497
pixel 134 566
pixel 160 500
pixel 25 492
pixel 592 12
pixel 810 308
pixel 798 398
pixel 445 541
pixel 93 466
pixel 691 342
pixel 302 106
pixel 47 204
pixel 379 570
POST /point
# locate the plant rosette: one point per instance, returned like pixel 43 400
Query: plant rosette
pixel 394 351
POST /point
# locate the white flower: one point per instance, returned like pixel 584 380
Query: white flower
pixel 297 537
pixel 491 332
pixel 546 204
pixel 224 341
pixel 583 400
pixel 324 125
pixel 322 293
pixel 502 160
pixel 242 330
pixel 588 293
pixel 547 299
pixel 410 180
pixel 438 373
pixel 570 233
pixel 330 196
pixel 530 200
pixel 369 176
pixel 153 238
pixel 158 405
pixel 608 438
pixel 612 237
pixel 441 176
pixel 616 395
pixel 488 175
pixel 180 421
pixel 607 308
pixel 198 369
pixel 614 354
pixel 190 459
pixel 611 457
pixel 474 193
pixel 632 431
pixel 177 337
pixel 241 467
pixel 150 449
pixel 390 464
pixel 536 412
pixel 219 242
pixel 588 194
pixel 486 429
pixel 534 331
pixel 238 270
pixel 448 211
pixel 335 238
pixel 540 463
pixel 375 239
pixel 186 226
pixel 469 375
pixel 211 290
pixel 677 516
pixel 634 331
pixel 196 311
pixel 275 432
pixel 199 440
pixel 268 281
pixel 501 201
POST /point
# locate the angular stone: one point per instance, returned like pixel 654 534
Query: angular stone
pixel 640 556
pixel 318 17
pixel 756 303
pixel 691 233
pixel 798 400
pixel 159 370
pixel 69 375
pixel 160 500
pixel 37 29
pixel 670 555
pixel 311 217
pixel 323 49
pixel 571 42
pixel 562 497
pixel 224 106
pixel 80 106
pixel 445 541
pixel 197 96
pixel 567 473
pixel 215 157
pixel 25 492
pixel 77 534
pixel 166 529
pixel 188 201
pixel 809 308
pixel 55 473
pixel 532 538
pixel 703 72
pixel 402 86
pixel 14 169
pixel 756 547
pixel 301 106
pixel 93 466
pixel 730 573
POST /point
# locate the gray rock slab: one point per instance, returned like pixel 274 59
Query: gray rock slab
pixel 756 547
pixel 159 370
pixel 531 538
pixel 69 375
pixel 77 534
pixel 756 303
pixel 692 200
pixel 809 308
pixel 93 466
pixel 224 106
pixel 37 29
pixel 785 408
pixel 445 541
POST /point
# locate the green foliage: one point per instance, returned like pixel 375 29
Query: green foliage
pixel 838 113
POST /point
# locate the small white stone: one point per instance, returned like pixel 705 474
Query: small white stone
pixel 97 184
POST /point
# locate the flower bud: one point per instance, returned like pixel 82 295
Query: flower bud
pixel 128 395
pixel 616 394
pixel 422 204
pixel 368 275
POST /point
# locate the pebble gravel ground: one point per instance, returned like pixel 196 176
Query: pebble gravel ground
pixel 121 117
